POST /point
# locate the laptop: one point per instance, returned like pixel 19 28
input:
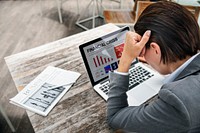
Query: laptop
pixel 102 55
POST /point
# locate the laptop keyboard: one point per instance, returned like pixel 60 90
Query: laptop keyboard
pixel 137 76
pixel 105 87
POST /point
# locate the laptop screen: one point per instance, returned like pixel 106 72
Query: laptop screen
pixel 102 54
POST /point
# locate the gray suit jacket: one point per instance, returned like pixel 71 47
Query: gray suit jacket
pixel 177 108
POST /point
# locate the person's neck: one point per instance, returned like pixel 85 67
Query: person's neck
pixel 174 66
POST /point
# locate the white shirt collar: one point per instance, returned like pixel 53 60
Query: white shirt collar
pixel 173 75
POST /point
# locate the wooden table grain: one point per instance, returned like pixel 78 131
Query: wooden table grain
pixel 81 109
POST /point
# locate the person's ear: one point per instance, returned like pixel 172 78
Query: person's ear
pixel 155 47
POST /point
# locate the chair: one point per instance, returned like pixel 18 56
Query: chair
pixel 121 17
pixel 141 5
pixel 59 7
pixel 96 6
pixel 120 3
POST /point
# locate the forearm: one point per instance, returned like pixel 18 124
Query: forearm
pixel 117 98
pixel 124 64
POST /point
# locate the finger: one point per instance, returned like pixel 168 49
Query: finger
pixel 137 37
pixel 145 38
pixel 134 36
pixel 143 51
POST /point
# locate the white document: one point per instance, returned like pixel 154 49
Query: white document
pixel 43 93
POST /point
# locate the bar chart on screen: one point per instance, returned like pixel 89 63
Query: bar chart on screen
pixel 106 56
pixel 100 60
pixel 104 59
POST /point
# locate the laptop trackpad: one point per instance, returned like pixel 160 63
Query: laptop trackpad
pixel 140 94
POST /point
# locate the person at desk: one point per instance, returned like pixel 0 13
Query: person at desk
pixel 167 35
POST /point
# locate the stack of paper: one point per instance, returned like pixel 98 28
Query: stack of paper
pixel 42 94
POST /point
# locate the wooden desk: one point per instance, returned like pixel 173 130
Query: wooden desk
pixel 81 109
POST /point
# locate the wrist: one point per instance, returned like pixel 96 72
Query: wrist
pixel 124 65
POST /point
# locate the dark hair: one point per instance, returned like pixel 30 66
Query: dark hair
pixel 173 28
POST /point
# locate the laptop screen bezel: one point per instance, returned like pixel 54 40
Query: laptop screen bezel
pixel 85 61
